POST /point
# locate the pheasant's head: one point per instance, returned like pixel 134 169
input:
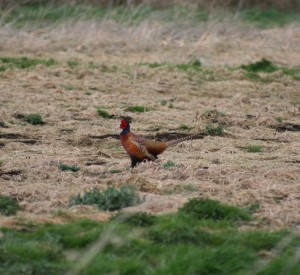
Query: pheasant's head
pixel 124 124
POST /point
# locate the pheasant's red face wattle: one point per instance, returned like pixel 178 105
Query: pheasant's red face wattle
pixel 123 124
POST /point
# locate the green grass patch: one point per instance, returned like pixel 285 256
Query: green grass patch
pixel 169 164
pixel 115 171
pixel 73 63
pixel 178 231
pixel 66 167
pixel 23 62
pixel 153 65
pixel 38 249
pixel 34 119
pixel 107 69
pixel 139 219
pixel 211 209
pixel 266 66
pixel 8 206
pixel 254 149
pixel 259 240
pixel 194 65
pixel 214 130
pixel 110 199
pixel 189 67
pixel 185 127
pixel 294 73
pixel 263 65
pixel 268 18
pixel 137 109
pixel 202 238
pixel 103 113
pixel 278 119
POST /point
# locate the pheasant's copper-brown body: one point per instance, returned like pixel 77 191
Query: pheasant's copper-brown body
pixel 140 149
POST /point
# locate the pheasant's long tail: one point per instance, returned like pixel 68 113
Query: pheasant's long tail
pixel 176 141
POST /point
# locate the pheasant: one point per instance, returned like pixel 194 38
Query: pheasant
pixel 140 149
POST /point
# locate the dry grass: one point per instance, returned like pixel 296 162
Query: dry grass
pixel 217 167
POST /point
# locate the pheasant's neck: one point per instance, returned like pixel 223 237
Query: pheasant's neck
pixel 125 131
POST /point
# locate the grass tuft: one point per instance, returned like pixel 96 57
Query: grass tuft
pixel 294 73
pixel 254 149
pixel 169 164
pixel 73 63
pixel 110 199
pixel 139 219
pixel 211 209
pixel 153 65
pixel 217 130
pixel 185 127
pixel 263 65
pixel 278 119
pixel 176 231
pixel 192 65
pixel 8 206
pixel 34 119
pixel 115 171
pixel 103 113
pixel 65 167
pixel 137 109
pixel 266 66
pixel 23 62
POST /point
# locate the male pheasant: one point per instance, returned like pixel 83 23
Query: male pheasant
pixel 140 149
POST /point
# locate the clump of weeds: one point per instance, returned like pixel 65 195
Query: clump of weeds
pixel 110 199
pixel 66 167
pixel 254 149
pixel 137 109
pixel 212 130
pixel 8 206
pixel 34 119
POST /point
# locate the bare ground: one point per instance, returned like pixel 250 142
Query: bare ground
pixel 213 167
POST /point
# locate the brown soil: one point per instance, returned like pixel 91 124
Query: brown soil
pixel 213 167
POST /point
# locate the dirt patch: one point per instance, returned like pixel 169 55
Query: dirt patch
pixel 288 127
pixel 180 104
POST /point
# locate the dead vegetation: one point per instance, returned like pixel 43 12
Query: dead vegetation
pixel 99 67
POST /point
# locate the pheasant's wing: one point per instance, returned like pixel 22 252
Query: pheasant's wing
pixel 140 142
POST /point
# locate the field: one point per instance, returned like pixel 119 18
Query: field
pixel 64 84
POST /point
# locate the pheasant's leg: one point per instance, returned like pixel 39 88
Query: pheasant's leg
pixel 134 161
